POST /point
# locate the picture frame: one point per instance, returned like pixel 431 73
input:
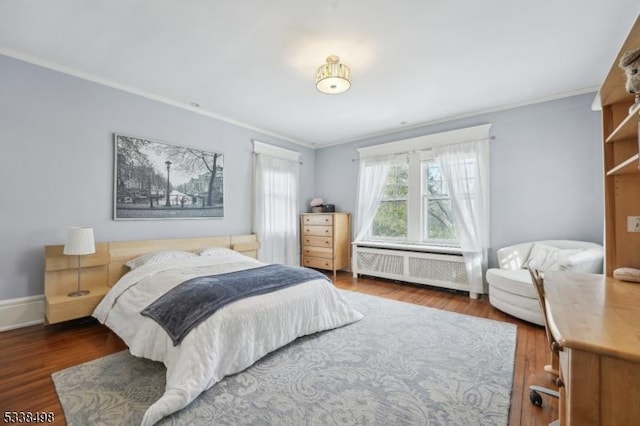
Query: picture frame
pixel 159 180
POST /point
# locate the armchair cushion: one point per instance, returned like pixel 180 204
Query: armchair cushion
pixel 551 258
pixel 588 258
pixel 517 282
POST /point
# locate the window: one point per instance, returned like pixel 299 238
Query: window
pixel 397 218
pixel 275 216
pixel 390 221
pixel 415 205
pixel 437 222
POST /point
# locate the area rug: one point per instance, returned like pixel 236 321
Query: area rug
pixel 403 364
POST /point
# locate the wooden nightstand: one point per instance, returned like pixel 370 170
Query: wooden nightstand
pixel 61 307
pixel 61 278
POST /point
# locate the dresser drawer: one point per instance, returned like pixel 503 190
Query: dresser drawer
pixel 317 219
pixel 318 231
pixel 316 262
pixel 317 241
pixel 323 252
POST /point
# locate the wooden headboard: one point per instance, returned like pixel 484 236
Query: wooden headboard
pixel 123 251
pixel 106 265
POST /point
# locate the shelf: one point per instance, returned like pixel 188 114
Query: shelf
pixel 628 166
pixel 61 307
pixel 628 128
pixel 613 90
pixel 93 292
pixel 617 92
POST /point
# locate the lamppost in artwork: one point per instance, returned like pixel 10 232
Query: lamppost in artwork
pixel 150 196
pixel 168 163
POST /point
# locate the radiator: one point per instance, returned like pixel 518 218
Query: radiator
pixel 435 269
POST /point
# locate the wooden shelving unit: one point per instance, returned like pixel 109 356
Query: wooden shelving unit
pixel 627 129
pixel 621 160
pixel 630 165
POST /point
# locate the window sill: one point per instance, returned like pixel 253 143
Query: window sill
pixel 410 247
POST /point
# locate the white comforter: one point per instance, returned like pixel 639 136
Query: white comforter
pixel 227 342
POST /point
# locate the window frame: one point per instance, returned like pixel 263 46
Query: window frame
pixel 417 150
pixel 415 211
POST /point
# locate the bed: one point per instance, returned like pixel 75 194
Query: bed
pixel 228 341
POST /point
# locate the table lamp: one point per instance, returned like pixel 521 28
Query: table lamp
pixel 79 243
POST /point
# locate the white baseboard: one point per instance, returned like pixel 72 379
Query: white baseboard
pixel 21 312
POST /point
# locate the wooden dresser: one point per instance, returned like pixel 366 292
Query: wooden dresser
pixel 325 240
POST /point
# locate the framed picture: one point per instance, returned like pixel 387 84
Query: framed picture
pixel 156 180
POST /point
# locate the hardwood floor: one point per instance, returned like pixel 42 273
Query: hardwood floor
pixel 29 355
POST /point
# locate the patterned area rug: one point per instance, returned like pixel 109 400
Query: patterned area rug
pixel 402 364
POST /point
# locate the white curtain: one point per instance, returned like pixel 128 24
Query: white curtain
pixel 464 167
pixel 275 216
pixel 372 177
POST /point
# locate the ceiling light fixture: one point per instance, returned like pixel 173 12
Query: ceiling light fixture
pixel 333 77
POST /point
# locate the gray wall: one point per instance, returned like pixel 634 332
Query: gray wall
pixel 546 171
pixel 56 133
pixel 56 169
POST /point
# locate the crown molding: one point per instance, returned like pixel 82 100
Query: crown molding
pixel 152 96
pixel 112 84
pixel 461 116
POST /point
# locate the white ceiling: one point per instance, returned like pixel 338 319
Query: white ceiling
pixel 253 62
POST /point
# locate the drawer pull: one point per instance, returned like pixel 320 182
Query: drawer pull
pixel 326 220
pixel 559 382
pixel 326 231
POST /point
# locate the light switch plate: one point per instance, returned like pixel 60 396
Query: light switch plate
pixel 633 223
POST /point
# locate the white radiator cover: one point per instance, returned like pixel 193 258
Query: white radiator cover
pixel 435 269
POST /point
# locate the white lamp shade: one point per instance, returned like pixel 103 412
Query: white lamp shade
pixel 79 241
pixel 333 85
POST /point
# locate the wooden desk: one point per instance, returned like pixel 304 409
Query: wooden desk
pixel 596 320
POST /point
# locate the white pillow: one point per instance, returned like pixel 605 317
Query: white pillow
pixel 159 256
pixel 550 258
pixel 582 261
pixel 217 251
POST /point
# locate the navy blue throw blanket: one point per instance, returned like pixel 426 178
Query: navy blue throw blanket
pixel 185 306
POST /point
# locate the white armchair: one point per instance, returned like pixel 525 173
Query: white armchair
pixel 510 286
